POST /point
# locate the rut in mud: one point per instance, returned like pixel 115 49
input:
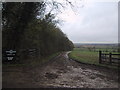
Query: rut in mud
pixel 61 72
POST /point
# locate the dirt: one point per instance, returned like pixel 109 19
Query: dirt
pixel 60 72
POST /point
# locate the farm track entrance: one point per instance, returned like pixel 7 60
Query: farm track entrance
pixel 60 72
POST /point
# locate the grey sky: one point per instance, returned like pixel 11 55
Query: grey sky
pixel 94 22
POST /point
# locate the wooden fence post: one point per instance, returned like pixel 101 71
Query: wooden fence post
pixel 110 58
pixel 100 61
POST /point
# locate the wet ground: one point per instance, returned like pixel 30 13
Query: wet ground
pixel 60 72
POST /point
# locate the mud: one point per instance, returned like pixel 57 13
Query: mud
pixel 60 72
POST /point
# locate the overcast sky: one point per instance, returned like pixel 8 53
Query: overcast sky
pixel 91 22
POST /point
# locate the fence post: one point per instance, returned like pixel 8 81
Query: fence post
pixel 110 57
pixel 100 61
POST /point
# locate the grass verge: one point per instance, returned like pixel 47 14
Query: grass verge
pixel 88 57
pixel 33 61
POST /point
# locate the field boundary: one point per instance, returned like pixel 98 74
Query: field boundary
pixel 37 62
pixel 97 65
pixel 109 58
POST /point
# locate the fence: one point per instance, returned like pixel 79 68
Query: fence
pixel 109 58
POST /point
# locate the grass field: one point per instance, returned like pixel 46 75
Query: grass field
pixel 86 56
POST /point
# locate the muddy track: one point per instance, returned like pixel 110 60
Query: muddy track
pixel 60 72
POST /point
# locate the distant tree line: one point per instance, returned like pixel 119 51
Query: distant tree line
pixel 25 25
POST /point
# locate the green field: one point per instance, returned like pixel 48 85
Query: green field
pixel 86 56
